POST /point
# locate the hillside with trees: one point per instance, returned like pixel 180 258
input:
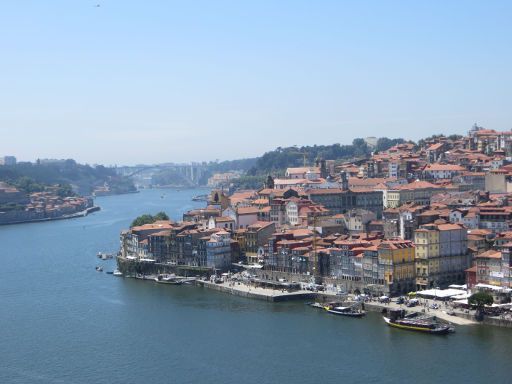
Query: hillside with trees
pixel 278 160
pixel 82 179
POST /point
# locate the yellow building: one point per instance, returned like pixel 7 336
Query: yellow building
pixel 419 192
pixel 396 259
pixel 427 256
pixel 441 255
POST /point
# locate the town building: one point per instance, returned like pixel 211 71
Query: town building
pixel 341 200
pixel 441 255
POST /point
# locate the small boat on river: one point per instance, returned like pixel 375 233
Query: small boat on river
pixel 342 310
pixel 173 279
pixel 397 319
pixel 105 256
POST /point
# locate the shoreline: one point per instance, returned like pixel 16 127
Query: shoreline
pixel 275 295
pixel 115 194
pixel 83 213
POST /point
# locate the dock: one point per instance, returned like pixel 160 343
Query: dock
pixel 250 291
pixel 439 313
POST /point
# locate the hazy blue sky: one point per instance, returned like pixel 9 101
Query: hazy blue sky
pixel 156 81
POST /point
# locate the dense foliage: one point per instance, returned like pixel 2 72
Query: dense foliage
pixel 480 299
pixel 281 158
pixel 232 165
pixel 422 142
pixel 149 219
pixel 249 182
pixel 33 177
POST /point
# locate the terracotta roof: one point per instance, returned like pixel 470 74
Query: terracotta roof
pixel 247 210
pixel 435 147
pixel 418 184
pixel 325 191
pixel 449 227
pixel 444 167
pixel 302 170
pixel 490 254
pixel 223 219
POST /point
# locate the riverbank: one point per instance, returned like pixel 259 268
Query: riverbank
pixel 255 292
pixel 75 215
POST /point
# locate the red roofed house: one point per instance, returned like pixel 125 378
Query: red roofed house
pixel 442 171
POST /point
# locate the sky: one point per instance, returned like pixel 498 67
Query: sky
pixel 165 81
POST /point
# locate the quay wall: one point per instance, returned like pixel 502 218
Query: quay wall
pixel 341 284
pixel 487 320
pixel 132 267
pixel 255 294
pixel 23 217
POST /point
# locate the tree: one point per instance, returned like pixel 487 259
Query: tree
pixel 480 299
pixel 161 216
pixel 149 219
pixel 270 182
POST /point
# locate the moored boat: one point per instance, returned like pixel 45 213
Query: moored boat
pixel 105 256
pixel 168 279
pixel 397 319
pixel 117 272
pixel 350 311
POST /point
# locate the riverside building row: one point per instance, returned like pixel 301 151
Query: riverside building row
pixel 404 219
pixel 18 207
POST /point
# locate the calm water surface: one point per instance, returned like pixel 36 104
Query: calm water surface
pixel 63 322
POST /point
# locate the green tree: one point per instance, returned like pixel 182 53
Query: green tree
pixel 480 299
pixel 161 216
pixel 149 219
pixel 64 190
pixel 143 219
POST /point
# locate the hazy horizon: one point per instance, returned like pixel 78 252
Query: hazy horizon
pixel 153 82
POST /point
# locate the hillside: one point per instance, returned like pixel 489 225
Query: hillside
pixel 82 178
pixel 281 158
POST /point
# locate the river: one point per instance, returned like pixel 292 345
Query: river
pixel 63 322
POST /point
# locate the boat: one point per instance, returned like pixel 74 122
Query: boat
pixel 99 268
pixel 200 198
pixel 105 256
pixel 110 272
pixel 169 279
pixel 350 311
pixel 117 272
pixel 397 319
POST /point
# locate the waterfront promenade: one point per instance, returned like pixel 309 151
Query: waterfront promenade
pixel 441 313
pixel 256 292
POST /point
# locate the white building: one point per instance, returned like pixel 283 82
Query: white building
pixel 218 250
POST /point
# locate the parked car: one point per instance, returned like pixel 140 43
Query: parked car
pixel 412 303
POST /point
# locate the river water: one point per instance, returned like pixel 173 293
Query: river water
pixel 63 322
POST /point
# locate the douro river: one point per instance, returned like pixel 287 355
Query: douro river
pixel 63 322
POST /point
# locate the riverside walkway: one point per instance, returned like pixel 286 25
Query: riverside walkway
pixel 256 292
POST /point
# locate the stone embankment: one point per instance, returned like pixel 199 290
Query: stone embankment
pixel 250 291
pixel 23 217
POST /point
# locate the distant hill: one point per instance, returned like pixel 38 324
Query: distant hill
pixel 278 160
pixel 82 178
